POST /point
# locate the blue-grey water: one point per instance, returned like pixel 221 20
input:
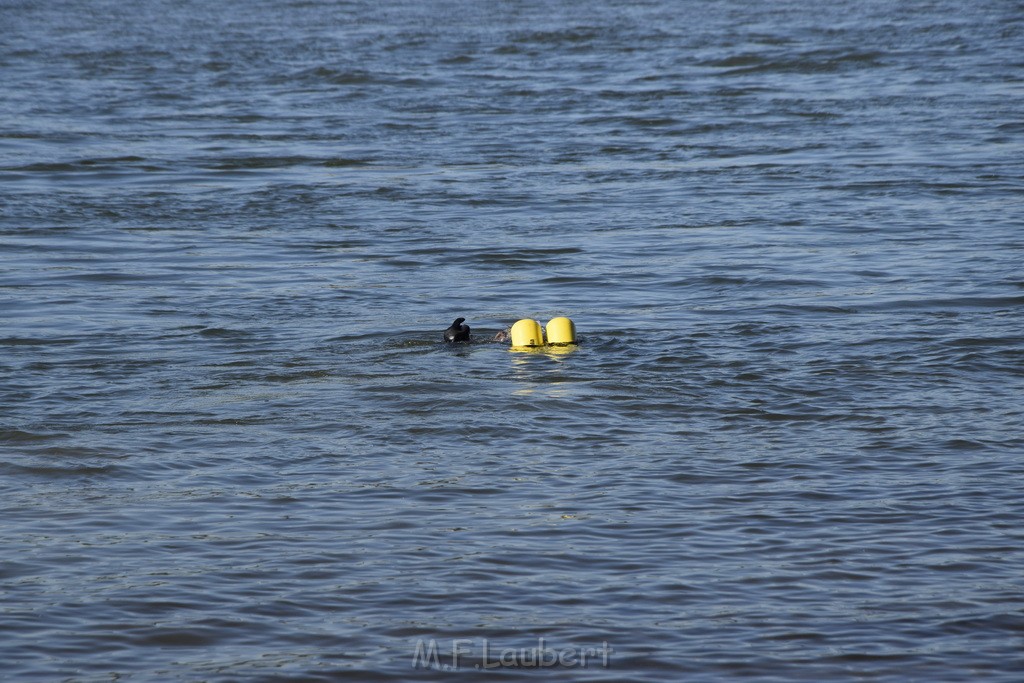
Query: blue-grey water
pixel 790 445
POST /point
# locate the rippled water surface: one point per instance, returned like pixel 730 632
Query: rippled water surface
pixel 788 447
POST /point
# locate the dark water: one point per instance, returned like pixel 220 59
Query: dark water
pixel 790 446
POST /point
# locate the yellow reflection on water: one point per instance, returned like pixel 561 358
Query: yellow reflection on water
pixel 541 378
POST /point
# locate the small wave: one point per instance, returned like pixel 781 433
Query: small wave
pixel 343 162
pixel 352 77
pixel 29 341
pixel 812 308
pixel 190 637
pixel 224 333
pixel 80 166
pixel 297 376
pixel 972 342
pixel 568 36
pixel 111 277
pixel 946 303
pixel 458 59
pixel 1006 622
pixel 1015 127
pixel 15 469
pixel 17 436
pixel 519 257
pixel 243 163
pixel 810 62
pixel 335 76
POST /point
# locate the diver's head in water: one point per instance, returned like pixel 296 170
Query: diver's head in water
pixel 457 332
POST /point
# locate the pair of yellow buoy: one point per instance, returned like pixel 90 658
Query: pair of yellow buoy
pixel 527 332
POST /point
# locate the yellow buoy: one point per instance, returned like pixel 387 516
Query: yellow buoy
pixel 561 331
pixel 527 332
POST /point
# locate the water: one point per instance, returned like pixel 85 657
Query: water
pixel 789 446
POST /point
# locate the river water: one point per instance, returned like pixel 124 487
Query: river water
pixel 788 447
